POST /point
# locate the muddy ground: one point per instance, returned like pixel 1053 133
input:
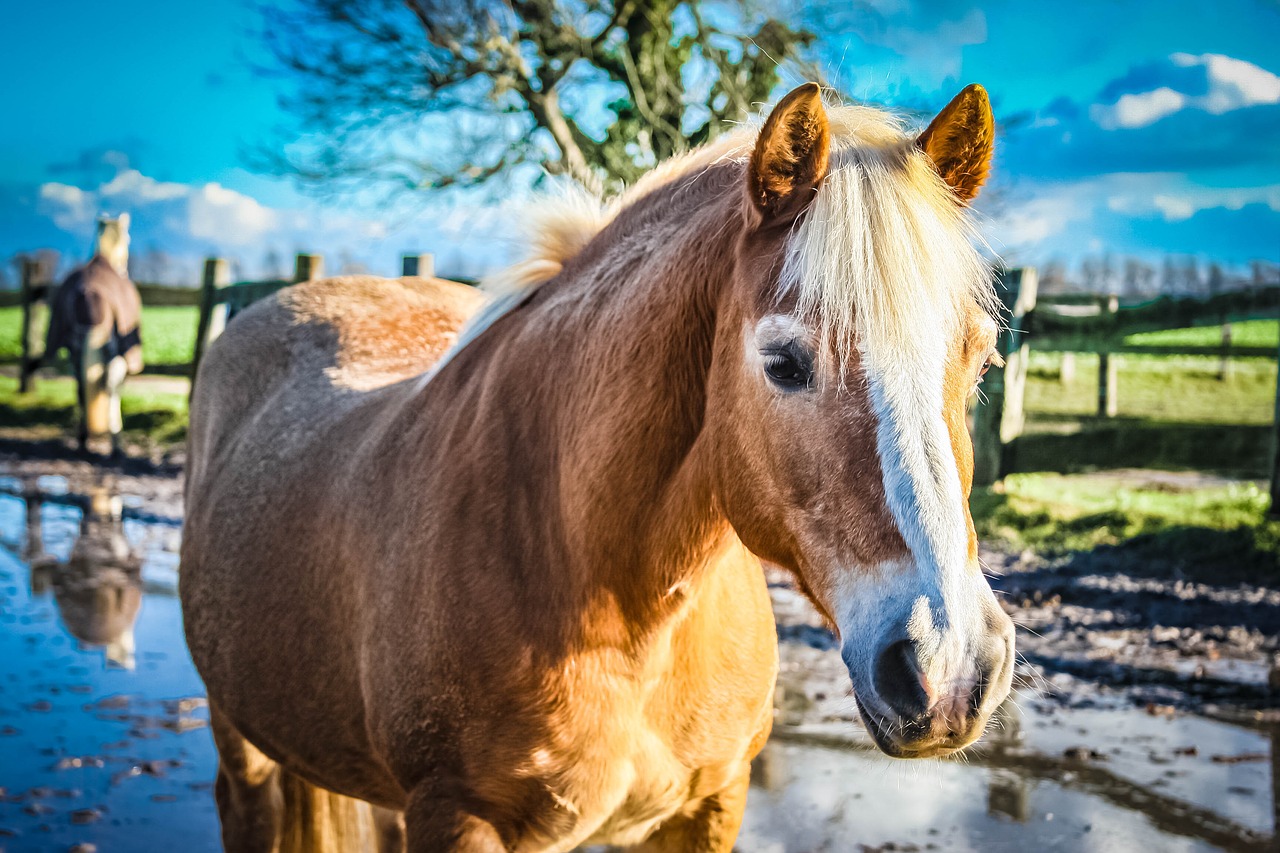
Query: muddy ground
pixel 1086 622
pixel 1119 664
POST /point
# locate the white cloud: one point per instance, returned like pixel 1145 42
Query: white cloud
pixel 1175 199
pixel 1174 208
pixel 226 217
pixel 1139 110
pixel 132 185
pixel 70 208
pixel 1027 224
pixel 938 50
pixel 190 221
pixel 1232 84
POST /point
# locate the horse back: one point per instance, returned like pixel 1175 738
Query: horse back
pixel 314 350
pixel 100 303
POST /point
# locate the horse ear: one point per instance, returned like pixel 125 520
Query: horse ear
pixel 123 220
pixel 960 141
pixel 790 158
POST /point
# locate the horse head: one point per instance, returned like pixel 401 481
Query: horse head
pixel 111 241
pixel 859 322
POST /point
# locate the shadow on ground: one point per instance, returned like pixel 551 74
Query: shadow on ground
pixel 1068 445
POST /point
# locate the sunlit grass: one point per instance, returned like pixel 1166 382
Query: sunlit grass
pixel 1214 530
pixel 168 334
pixel 159 416
pixel 1254 333
pixel 1181 389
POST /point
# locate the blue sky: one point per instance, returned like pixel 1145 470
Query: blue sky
pixel 1146 127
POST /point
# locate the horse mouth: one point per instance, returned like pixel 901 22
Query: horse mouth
pixel 887 736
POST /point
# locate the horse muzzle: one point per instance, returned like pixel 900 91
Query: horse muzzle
pixel 923 706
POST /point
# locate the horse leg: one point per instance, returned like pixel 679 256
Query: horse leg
pixel 95 377
pixel 82 399
pixel 115 375
pixel 264 808
pixel 436 825
pixel 712 828
pixel 250 801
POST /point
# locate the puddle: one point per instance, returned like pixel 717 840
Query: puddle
pixel 104 738
pixel 1044 778
pixel 103 731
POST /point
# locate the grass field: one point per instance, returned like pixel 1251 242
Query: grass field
pixel 168 334
pixel 1167 524
pixel 1184 389
pixel 1255 333
pixel 150 416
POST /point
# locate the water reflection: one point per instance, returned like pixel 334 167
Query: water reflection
pixel 1008 793
pixel 103 737
pixel 1099 779
pixel 98 587
pixel 100 712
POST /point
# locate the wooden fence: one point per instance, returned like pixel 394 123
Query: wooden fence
pixel 1065 324
pixel 1099 324
pixel 217 297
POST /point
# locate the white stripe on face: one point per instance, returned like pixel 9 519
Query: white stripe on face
pixel 934 599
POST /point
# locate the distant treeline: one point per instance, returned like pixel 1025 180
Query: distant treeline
pixel 1127 277
pixel 154 265
pixel 1134 278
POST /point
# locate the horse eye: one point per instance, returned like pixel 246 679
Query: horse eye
pixel 993 358
pixel 787 369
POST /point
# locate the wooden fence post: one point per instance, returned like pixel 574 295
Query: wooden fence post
pixel 35 322
pixel 1108 386
pixel 1224 363
pixel 418 265
pixel 213 311
pixel 308 267
pixel 1275 449
pixel 1067 368
pixel 998 418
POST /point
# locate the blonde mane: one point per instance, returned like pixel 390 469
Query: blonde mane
pixel 885 254
pixel 885 235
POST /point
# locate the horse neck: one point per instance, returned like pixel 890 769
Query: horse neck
pixel 609 363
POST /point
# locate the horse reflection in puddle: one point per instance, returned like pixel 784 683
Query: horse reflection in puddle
pixel 98 588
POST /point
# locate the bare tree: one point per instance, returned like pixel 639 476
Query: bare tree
pixel 154 266
pixel 48 264
pixel 273 265
pixel 451 93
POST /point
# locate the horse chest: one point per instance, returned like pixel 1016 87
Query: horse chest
pixel 621 798
pixel 632 759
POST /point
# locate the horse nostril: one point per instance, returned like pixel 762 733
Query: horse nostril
pixel 978 693
pixel 992 673
pixel 900 682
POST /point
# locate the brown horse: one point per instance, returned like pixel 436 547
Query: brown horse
pixel 95 314
pixel 507 588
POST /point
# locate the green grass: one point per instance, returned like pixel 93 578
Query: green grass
pixel 1217 532
pixel 1169 389
pixel 10 334
pixel 168 334
pixel 150 415
pixel 1254 333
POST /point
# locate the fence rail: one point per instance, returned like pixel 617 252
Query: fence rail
pixel 1066 324
pixel 1099 324
pixel 217 298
